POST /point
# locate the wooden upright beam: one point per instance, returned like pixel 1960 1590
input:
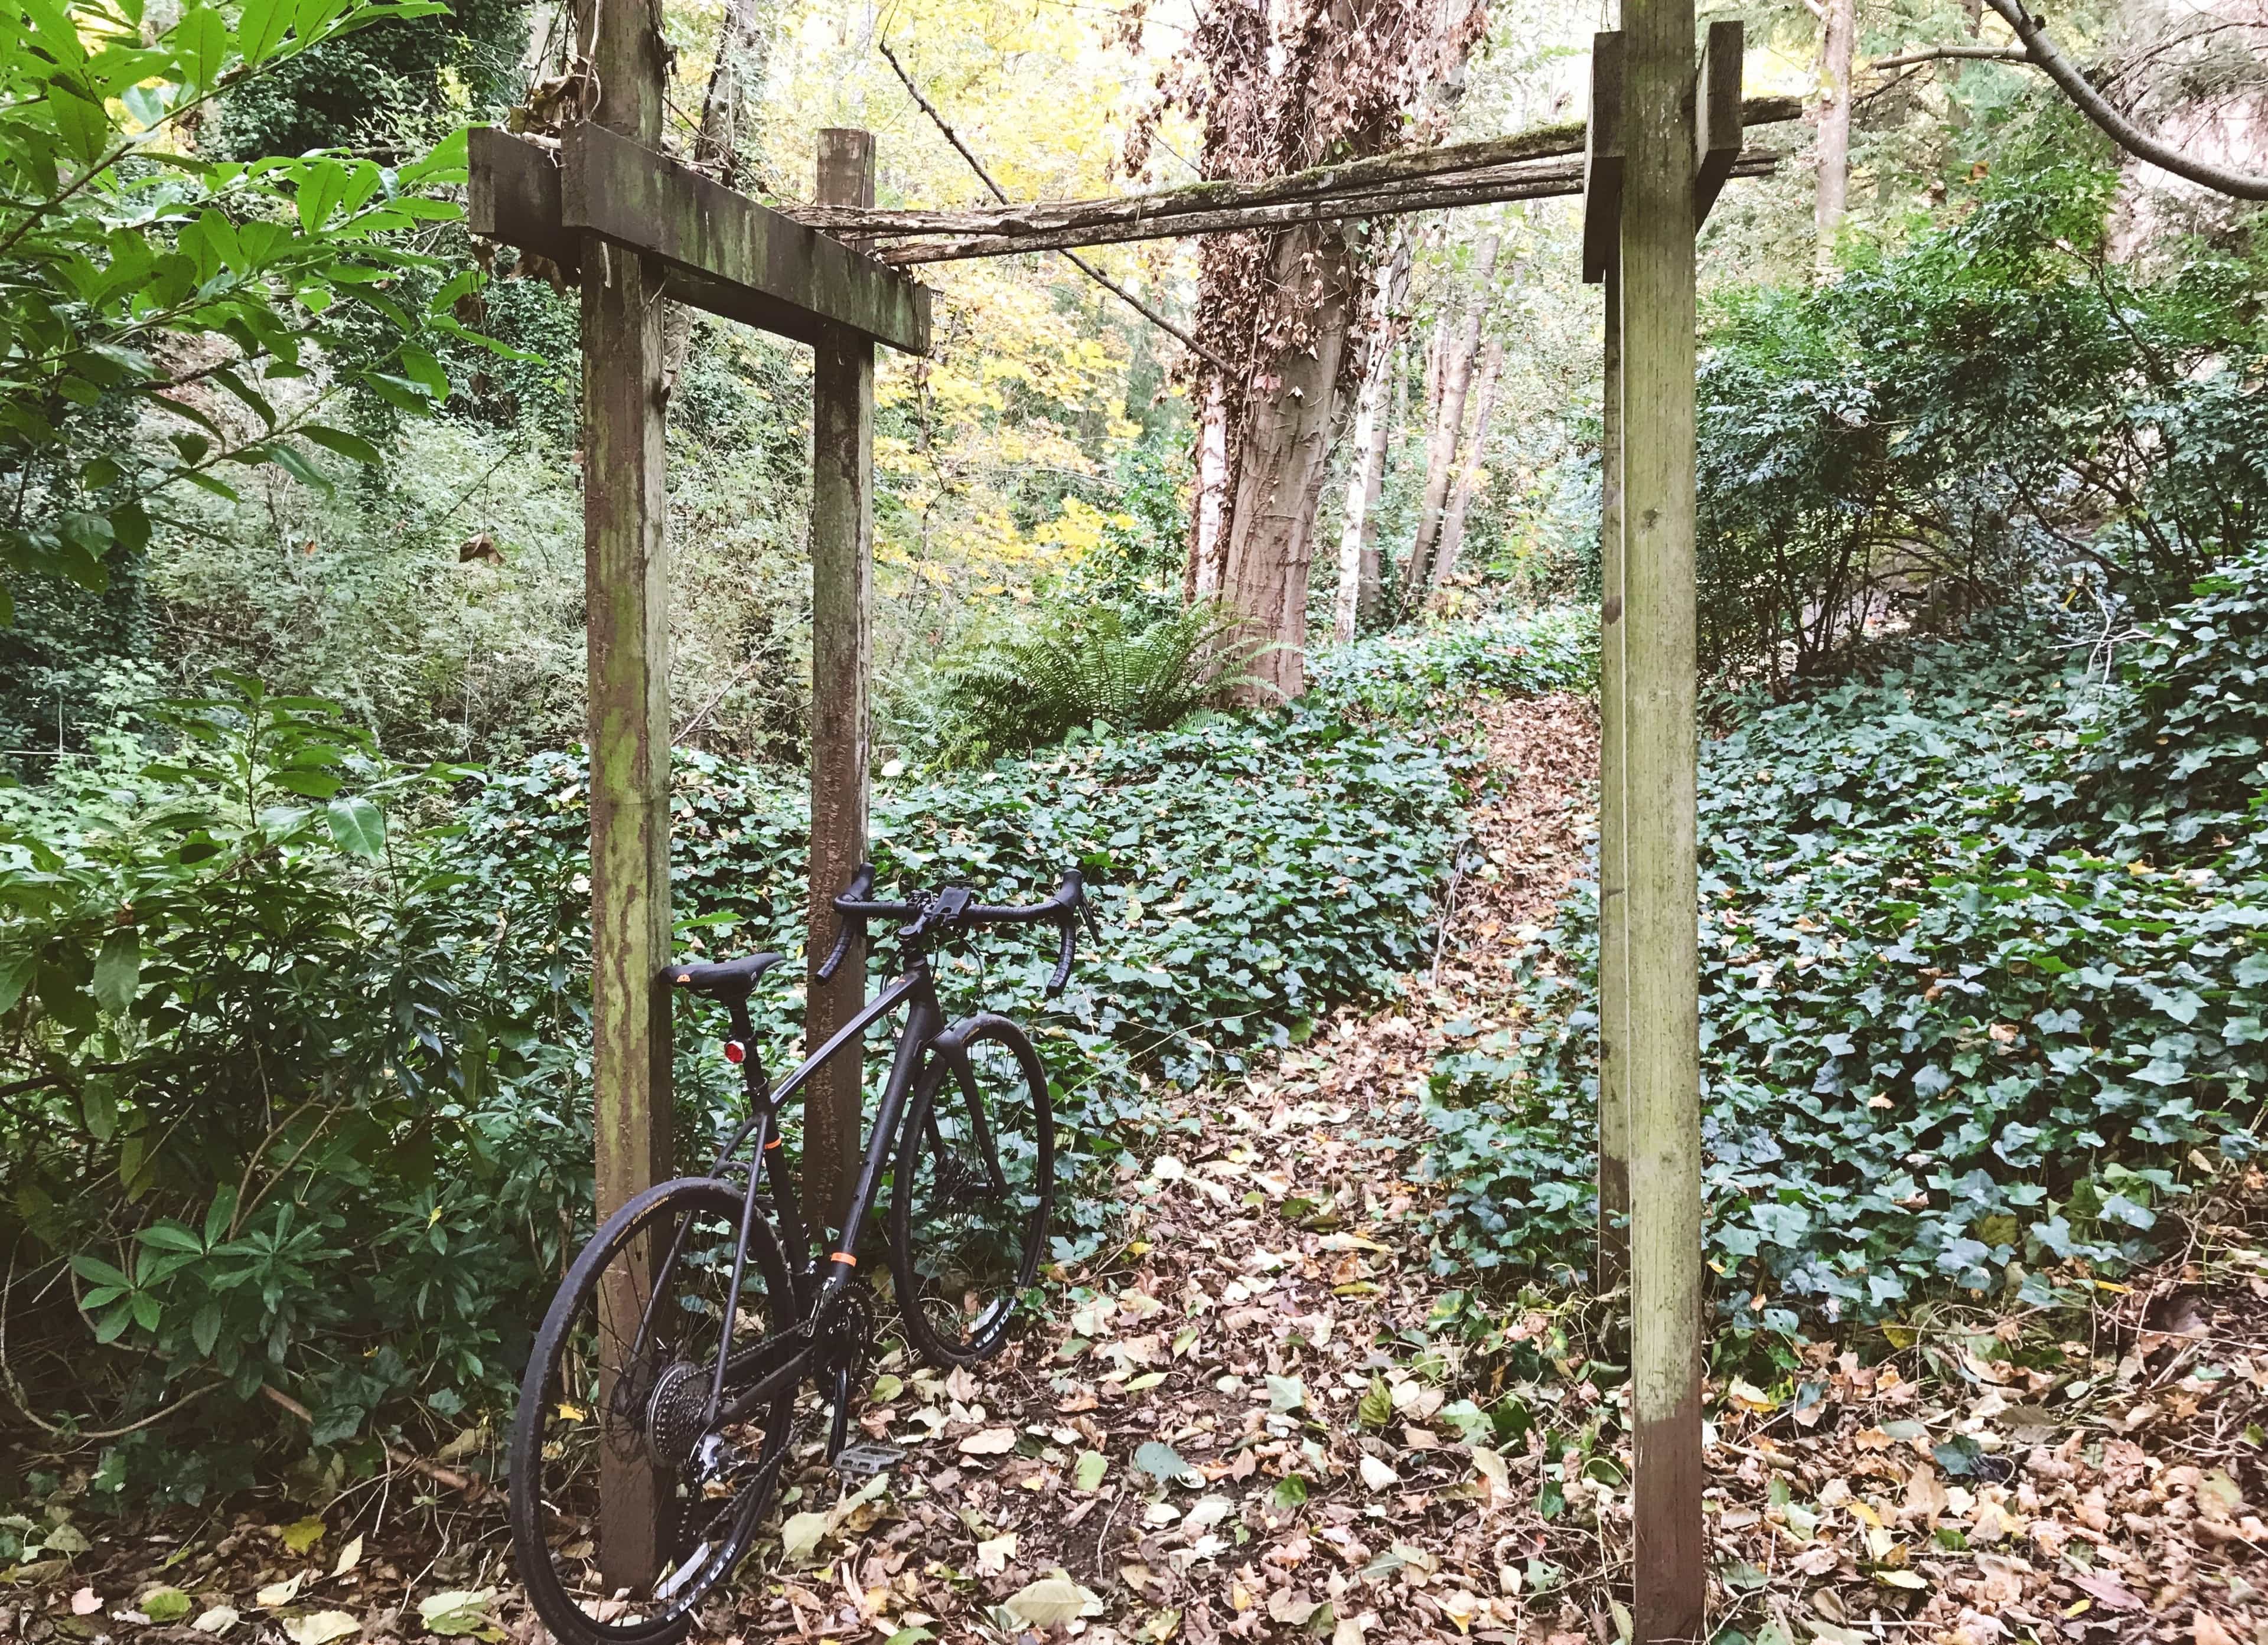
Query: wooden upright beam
pixel 1613 872
pixel 1602 158
pixel 1659 736
pixel 1718 114
pixel 841 601
pixel 626 569
pixel 721 251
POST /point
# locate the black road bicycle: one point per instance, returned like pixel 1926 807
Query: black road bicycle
pixel 702 1329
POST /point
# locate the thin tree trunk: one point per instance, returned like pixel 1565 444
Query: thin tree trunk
pixel 1457 356
pixel 1357 589
pixel 1285 449
pixel 1204 580
pixel 1838 40
pixel 1369 585
pixel 1452 525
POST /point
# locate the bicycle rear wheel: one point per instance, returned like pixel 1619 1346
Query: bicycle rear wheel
pixel 627 1510
pixel 971 1195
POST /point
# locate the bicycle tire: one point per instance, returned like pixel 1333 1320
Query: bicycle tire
pixel 962 1250
pixel 558 1450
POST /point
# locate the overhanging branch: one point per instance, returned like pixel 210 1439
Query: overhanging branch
pixel 2041 51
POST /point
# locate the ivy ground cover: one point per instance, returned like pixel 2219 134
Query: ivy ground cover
pixel 1974 1007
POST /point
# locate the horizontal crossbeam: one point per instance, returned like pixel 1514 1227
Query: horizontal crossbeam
pixel 1541 180
pixel 725 253
pixel 1477 166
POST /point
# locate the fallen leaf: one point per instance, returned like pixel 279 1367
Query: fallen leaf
pixel 301 1534
pixel 992 1557
pixel 321 1628
pixel 1089 1472
pixel 86 1603
pixel 1206 1512
pixel 349 1556
pixel 164 1604
pixel 1050 1602
pixel 1160 1461
pixel 1290 1607
pixel 1378 1476
pixel 1490 1465
pixel 800 1536
pixel 281 1593
pixel 2208 1629
pixel 457 1612
pixel 218 1620
pixel 2105 1590
pixel 990 1441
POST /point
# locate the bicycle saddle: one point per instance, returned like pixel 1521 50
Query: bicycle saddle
pixel 725 979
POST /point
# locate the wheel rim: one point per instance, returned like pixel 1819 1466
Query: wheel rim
pixel 641 1510
pixel 972 1238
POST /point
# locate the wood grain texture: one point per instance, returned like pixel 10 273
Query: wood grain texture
pixel 626 581
pixel 841 605
pixel 1660 739
pixel 1614 873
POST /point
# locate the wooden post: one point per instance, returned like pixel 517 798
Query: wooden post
pixel 1660 737
pixel 1614 874
pixel 1603 172
pixel 626 570
pixel 842 600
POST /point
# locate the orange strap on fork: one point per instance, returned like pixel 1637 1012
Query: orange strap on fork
pixel 843 1256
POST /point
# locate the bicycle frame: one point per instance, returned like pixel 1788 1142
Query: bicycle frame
pixel 814 1291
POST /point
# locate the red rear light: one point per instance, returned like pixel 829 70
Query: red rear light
pixel 735 1052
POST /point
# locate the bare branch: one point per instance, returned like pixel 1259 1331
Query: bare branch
pixel 2121 130
pixel 1959 54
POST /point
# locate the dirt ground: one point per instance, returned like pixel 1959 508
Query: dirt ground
pixel 1243 1421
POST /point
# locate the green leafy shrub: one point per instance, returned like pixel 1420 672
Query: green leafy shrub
pixel 1949 1038
pixel 1088 667
pixel 2183 770
pixel 1411 674
pixel 262 1128
pixel 1910 440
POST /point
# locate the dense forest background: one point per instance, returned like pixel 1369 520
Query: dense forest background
pixel 291 694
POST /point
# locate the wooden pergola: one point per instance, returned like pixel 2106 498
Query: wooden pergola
pixel 637 228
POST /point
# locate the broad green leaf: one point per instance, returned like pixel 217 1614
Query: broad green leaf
pixel 261 28
pixel 118 970
pixel 358 827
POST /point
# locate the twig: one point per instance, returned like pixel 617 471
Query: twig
pixel 1072 258
pixel 1961 54
pixel 472 1486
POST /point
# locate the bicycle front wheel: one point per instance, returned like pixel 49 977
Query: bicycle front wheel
pixel 627 1507
pixel 975 1184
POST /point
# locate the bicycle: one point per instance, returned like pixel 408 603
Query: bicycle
pixel 661 1404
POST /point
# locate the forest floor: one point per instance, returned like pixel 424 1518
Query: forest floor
pixel 1238 1423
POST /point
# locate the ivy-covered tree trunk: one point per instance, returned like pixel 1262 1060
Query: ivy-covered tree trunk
pixel 1288 419
pixel 1277 91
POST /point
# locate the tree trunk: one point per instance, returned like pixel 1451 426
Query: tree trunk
pixel 1285 448
pixel 1838 40
pixel 1357 589
pixel 1452 525
pixel 1211 535
pixel 1457 355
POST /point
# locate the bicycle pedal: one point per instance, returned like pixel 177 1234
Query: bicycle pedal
pixel 860 1462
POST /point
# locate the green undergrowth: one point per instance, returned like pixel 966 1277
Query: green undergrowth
pixel 1984 970
pixel 1413 675
pixel 294 1065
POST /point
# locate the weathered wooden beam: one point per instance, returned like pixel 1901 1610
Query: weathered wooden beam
pixel 1557 178
pixel 1602 158
pixel 842 623
pixel 1379 175
pixel 1614 866
pixel 626 595
pixel 725 253
pixel 1660 748
pixel 1716 113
